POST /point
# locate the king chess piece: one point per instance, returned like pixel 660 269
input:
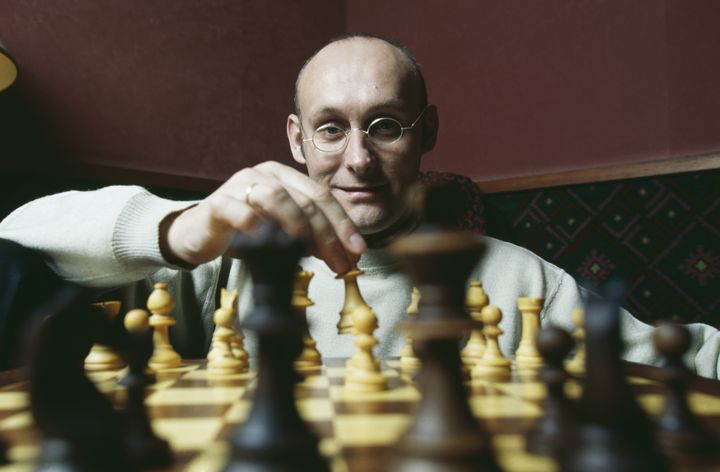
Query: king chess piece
pixel 273 438
pixel 445 434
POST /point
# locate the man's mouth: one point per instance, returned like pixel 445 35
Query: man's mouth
pixel 360 193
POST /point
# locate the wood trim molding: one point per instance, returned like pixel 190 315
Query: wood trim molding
pixel 602 174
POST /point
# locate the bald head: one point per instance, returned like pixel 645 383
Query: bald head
pixel 358 52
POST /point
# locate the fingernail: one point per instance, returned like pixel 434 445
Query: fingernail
pixel 357 243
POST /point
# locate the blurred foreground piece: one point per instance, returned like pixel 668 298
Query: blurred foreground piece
pixel 445 436
pixel 552 431
pixel 614 432
pixel 680 432
pixel 273 437
pixel 80 428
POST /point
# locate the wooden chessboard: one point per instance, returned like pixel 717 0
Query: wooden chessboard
pixel 197 414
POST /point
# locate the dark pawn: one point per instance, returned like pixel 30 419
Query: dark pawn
pixel 81 430
pixel 274 438
pixel 679 430
pixel 557 424
pixel 614 433
pixel 144 447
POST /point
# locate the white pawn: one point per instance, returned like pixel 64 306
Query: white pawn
pixel 363 373
pixel 161 305
pixel 221 358
pixel 493 362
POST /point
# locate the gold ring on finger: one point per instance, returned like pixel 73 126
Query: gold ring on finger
pixel 248 191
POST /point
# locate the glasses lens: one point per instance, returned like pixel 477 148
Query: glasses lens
pixel 329 138
pixel 385 130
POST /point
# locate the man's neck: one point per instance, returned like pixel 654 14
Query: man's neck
pixel 402 226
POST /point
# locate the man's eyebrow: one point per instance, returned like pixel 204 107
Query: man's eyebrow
pixel 333 111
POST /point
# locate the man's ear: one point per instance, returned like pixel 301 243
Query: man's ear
pixel 294 134
pixel 430 126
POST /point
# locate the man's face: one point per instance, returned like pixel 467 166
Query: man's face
pixel 349 84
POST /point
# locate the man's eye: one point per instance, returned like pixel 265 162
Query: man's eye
pixel 386 128
pixel 329 132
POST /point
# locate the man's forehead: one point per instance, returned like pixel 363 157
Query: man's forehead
pixel 356 70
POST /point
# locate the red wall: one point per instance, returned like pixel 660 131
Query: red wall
pixel 201 89
pixel 534 87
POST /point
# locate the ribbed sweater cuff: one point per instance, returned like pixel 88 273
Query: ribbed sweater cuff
pixel 136 238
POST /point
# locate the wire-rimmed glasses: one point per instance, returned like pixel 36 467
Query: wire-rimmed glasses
pixel 382 131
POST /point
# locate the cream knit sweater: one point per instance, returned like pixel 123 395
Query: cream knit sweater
pixel 109 238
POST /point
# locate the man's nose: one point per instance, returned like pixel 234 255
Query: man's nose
pixel 358 154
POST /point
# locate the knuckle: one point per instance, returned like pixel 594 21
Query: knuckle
pixel 275 192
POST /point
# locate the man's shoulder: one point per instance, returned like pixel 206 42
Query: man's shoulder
pixel 508 258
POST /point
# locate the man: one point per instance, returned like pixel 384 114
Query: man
pixel 361 126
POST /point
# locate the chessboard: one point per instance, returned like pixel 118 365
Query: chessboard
pixel 197 414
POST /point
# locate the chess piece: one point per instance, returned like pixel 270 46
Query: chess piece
pixel 552 431
pixel 3 452
pixel 274 437
pixel 222 361
pixel 408 360
pixel 680 432
pixel 144 447
pixel 161 305
pixel 527 357
pixel 613 433
pixel 353 299
pixel 81 429
pixel 444 434
pixel 492 363
pixel 102 357
pixel 310 360
pixel 475 301
pixel 365 374
pixel 576 365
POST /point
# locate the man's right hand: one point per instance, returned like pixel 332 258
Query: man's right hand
pixel 302 207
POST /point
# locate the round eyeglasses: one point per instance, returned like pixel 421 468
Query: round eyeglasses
pixel 382 131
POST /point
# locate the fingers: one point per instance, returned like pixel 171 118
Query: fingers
pixel 309 194
pixel 302 207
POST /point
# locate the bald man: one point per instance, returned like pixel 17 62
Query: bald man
pixel 360 127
